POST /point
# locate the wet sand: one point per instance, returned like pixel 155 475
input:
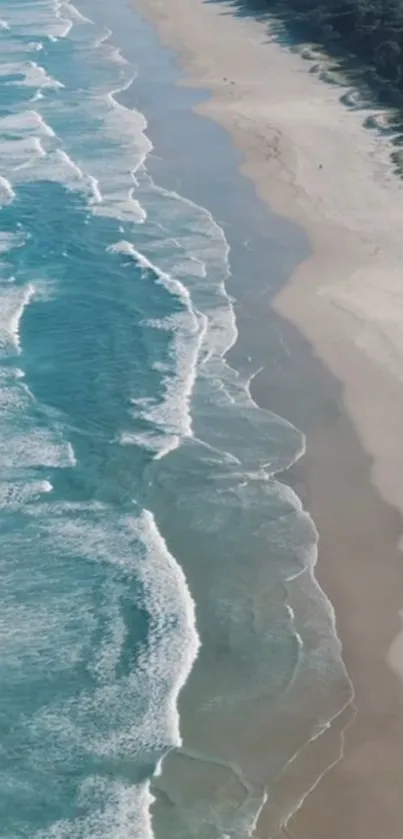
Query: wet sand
pixel 312 161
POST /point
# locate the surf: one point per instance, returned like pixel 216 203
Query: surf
pixel 129 444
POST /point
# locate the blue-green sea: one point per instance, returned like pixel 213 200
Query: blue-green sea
pixel 152 664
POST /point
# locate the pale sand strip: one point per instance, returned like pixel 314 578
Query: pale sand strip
pixel 348 296
pixel 312 161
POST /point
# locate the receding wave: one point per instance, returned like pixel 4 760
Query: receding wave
pixel 172 414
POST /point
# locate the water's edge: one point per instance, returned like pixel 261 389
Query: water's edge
pixel 238 355
pixel 180 638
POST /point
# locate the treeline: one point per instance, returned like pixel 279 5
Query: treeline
pixel 371 30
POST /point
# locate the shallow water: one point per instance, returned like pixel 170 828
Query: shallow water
pixel 141 519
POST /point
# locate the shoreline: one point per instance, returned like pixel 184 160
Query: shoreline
pixel 335 316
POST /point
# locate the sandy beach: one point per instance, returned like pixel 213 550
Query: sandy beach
pixel 313 161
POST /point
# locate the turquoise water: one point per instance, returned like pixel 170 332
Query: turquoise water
pixel 140 519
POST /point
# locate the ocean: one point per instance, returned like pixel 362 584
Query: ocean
pixel 154 666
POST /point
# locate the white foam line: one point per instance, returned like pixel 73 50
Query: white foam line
pixel 15 321
pixel 255 795
pixel 113 51
pixel 117 56
pixel 246 385
pixel 48 81
pixel 176 574
pixel 221 286
pixel 24 122
pixel 187 375
pixel 39 147
pixel 174 286
pixel 115 92
pixel 77 14
pixel 34 74
pixel 44 125
pixel 71 163
pixel 141 152
pixel 303 798
pixel 97 194
pixel 174 411
pixel 310 570
pixel 106 34
pixel 71 455
pixel 142 215
pixel 36 146
pixel 67 21
pixel 6 186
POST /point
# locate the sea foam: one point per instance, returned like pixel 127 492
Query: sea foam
pixel 187 328
pixel 110 559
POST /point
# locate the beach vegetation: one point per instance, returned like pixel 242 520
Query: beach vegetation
pixel 371 30
pixel 367 31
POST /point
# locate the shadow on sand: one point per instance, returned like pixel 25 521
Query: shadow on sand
pixel 363 90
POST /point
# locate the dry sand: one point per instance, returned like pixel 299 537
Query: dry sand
pixel 313 161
